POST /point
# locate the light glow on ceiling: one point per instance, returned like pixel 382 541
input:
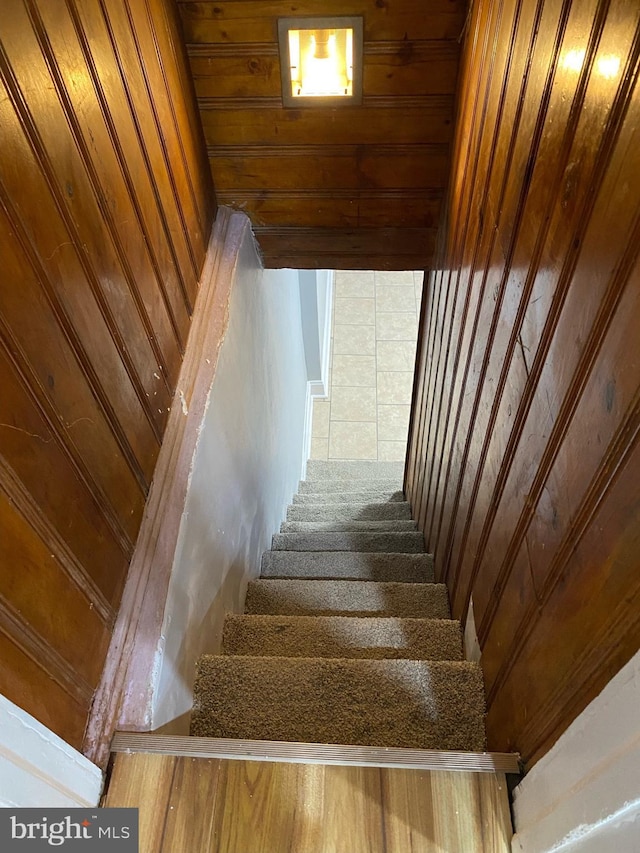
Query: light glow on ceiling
pixel 320 61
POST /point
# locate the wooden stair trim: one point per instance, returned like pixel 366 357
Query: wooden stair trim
pixel 317 753
pixel 124 694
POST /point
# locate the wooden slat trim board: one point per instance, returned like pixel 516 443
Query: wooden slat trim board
pixel 316 753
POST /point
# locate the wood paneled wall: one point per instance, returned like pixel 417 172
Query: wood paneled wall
pixel 349 187
pixel 106 207
pixel 524 466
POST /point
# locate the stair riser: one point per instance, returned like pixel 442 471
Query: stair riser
pixel 347 598
pixel 346 565
pixel 354 469
pixel 356 512
pixel 342 637
pixel 330 487
pixel 407 542
pixel 375 526
pixel 350 497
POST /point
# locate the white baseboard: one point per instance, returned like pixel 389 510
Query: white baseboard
pixel 584 794
pixel 38 769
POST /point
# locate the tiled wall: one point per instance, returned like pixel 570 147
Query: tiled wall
pixel 374 330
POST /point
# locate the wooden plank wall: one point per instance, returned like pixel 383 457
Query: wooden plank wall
pixel 106 207
pixel 349 187
pixel 524 466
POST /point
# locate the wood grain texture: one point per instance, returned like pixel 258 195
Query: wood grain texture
pixel 359 248
pixel 236 806
pixel 397 142
pixel 527 428
pixel 105 211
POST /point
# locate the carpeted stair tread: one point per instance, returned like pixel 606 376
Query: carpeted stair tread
pixel 354 469
pixel 348 565
pixel 401 703
pixel 409 541
pixel 360 496
pixel 342 637
pixel 347 598
pixel 374 526
pixel 349 512
pixel 332 487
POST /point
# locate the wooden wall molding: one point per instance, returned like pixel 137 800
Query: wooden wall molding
pixel 422 149
pixel 15 490
pixel 372 194
pixel 436 103
pixel 42 654
pixel 435 50
pixel 60 433
pixel 222 50
pixel 124 695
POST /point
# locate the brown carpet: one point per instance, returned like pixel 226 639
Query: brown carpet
pixel 347 598
pixel 382 495
pixel 403 703
pixel 348 565
pixel 343 637
pixel 375 525
pixel 347 512
pixel 410 542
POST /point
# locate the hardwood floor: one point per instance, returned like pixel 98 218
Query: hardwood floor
pixel 220 806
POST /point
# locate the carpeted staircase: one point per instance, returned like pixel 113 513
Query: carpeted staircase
pixel 345 638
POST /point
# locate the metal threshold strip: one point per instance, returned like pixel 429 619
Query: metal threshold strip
pixel 317 753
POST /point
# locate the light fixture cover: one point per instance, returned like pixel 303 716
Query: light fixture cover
pixel 320 61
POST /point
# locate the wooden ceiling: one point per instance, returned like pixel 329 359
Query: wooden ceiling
pixel 354 187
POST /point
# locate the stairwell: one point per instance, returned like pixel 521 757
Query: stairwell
pixel 345 638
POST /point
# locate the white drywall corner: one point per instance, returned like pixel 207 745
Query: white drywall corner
pixel 316 305
pixel 40 770
pixel 583 796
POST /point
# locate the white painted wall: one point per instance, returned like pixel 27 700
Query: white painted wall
pixel 316 303
pixel 38 769
pixel 583 796
pixel 246 468
pixel 316 299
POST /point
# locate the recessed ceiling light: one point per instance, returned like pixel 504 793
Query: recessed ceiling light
pixel 320 61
